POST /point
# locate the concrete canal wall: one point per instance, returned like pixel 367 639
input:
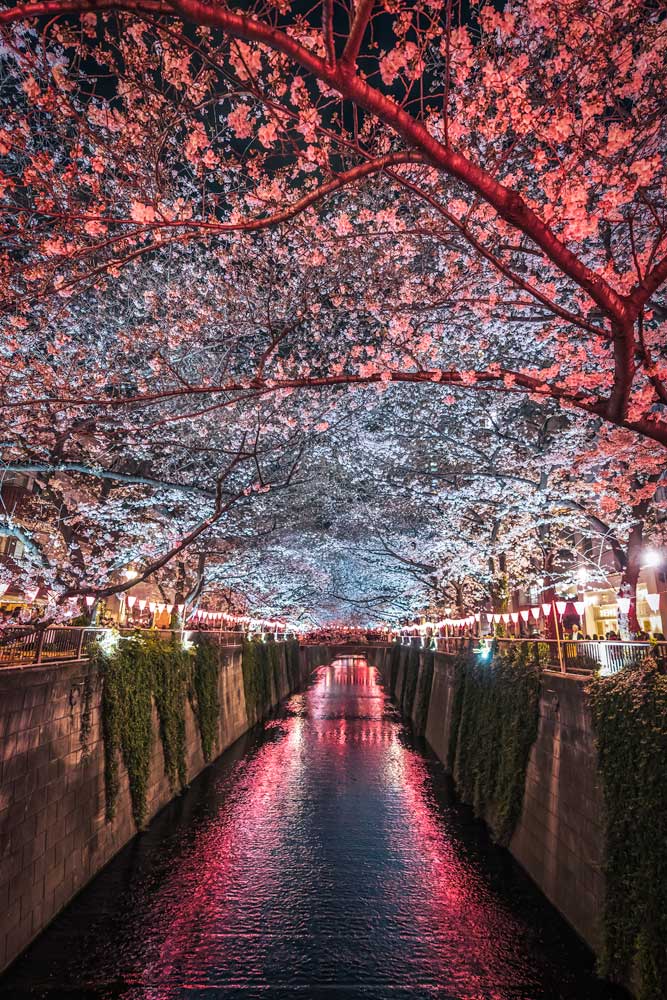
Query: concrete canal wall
pixel 559 838
pixel 54 835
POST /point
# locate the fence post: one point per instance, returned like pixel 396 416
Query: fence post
pixel 39 644
pixel 560 650
pixel 79 648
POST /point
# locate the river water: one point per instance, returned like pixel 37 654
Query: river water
pixel 324 855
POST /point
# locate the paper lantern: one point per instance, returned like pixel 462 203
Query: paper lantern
pixel 560 607
pixel 161 607
pixel 170 608
pixel 653 601
pixel 546 609
pixel 90 600
pixel 514 615
pixel 131 601
pixel 505 617
pixel 142 605
pixel 623 605
pixel 535 612
pixel 580 607
pixel 181 608
pixel 152 606
pixel 524 614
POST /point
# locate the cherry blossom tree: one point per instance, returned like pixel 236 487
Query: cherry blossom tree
pixel 522 152
pixel 219 225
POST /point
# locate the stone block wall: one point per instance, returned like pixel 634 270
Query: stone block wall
pixel 54 836
pixel 559 839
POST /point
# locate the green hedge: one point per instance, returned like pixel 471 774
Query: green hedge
pixel 495 714
pixel 629 713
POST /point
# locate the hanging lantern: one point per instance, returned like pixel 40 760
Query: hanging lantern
pixel 580 607
pixel 546 609
pixel 142 605
pixel 535 612
pixel 131 601
pixel 514 615
pixel 560 607
pixel 152 606
pixel 653 601
pixel 505 617
pixel 524 614
pixel 170 608
pixel 90 600
pixel 623 605
pixel 161 607
pixel 180 608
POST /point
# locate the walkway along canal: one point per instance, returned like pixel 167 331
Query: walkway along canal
pixel 324 854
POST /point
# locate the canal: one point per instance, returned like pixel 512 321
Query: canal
pixel 324 855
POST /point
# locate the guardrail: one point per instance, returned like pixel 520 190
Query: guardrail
pixel 29 645
pixel 584 656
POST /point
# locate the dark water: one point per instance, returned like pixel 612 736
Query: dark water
pixel 323 856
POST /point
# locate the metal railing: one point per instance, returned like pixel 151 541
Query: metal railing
pixel 581 657
pixel 23 646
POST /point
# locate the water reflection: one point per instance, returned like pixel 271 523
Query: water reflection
pixel 323 856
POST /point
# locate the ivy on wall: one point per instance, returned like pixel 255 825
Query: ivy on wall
pixel 629 712
pixel 127 707
pixel 169 667
pixel 423 696
pixel 394 664
pixel 293 663
pixel 495 714
pixel 410 678
pixel 256 678
pixel 275 665
pixel 204 695
pixel 139 672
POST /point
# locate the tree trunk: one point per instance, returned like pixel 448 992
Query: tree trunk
pixel 629 624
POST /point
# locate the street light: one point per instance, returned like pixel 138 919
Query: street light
pixel 652 557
